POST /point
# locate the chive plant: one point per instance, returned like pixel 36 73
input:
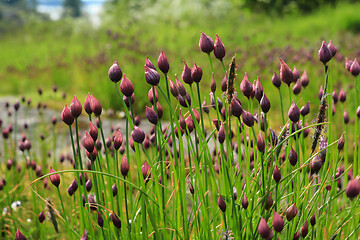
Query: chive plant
pixel 220 167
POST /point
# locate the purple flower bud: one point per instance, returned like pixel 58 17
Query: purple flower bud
pixel 138 135
pixel 269 202
pixel 294 112
pixel 116 221
pixel 276 80
pixel 332 48
pixel 221 134
pixel 87 106
pixel 286 74
pixel 41 217
pixel 118 139
pixel 93 154
pixel 353 188
pixel 305 109
pixel 205 106
pixel 246 86
pixel 213 84
pixel 124 166
pixel 278 222
pixel 88 185
pixel 191 188
pixel 96 106
pixel 346 117
pixel 151 95
pixel 66 116
pixel 151 115
pixel 206 44
pixel 145 169
pixel 163 63
pixel 244 202
pixel 114 189
pixel 296 74
pixel 219 49
pixel 196 73
pixel 355 68
pixel 93 131
pixel 265 104
pixel 173 88
pixel 304 229
pixel 221 204
pixel 224 84
pixel 84 236
pixel 260 143
pixel 313 220
pixel 186 74
pixel 276 174
pixel 149 63
pixel 297 88
pixel 296 236
pixel 293 157
pixel 258 90
pixel 263 228
pixel 316 165
pixel 126 87
pixel 348 64
pixel 19 235
pixel 190 123
pixel 324 53
pixel 152 77
pixel 180 87
pixel 304 79
pixel 248 118
pixel 55 178
pixel 100 219
pixel 88 142
pixel 341 142
pixel 235 107
pixel 291 212
pixel 342 95
pixel 115 73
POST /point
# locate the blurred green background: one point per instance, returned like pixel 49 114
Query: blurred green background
pixel 72 43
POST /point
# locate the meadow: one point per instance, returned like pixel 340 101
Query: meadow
pixel 241 129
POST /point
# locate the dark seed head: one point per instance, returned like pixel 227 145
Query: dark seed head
pixel 219 49
pixel 286 74
pixel 291 212
pixel 152 77
pixel 206 44
pixel 278 222
pixel 324 53
pixel 221 204
pixel 263 228
pixel 115 73
pixel 163 63
pixel 294 112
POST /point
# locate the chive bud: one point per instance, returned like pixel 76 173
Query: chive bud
pixel 324 53
pixel 219 48
pixel 293 157
pixel 304 79
pixel 259 91
pixel 66 116
pixel 246 86
pixel 291 212
pixel 152 77
pixel 304 229
pixel 278 222
pixel 88 185
pixel 248 118
pixel 276 80
pixel 19 235
pixel 342 95
pixel 206 44
pixel 263 228
pixel 294 112
pixel 221 204
pixel 115 73
pixel 118 139
pixel 305 109
pixel 149 64
pixel 95 106
pixel 244 202
pixel 138 135
pixel 151 95
pixel 87 106
pixel 114 190
pixel 332 48
pixel 163 63
pixel 213 84
pixel 265 104
pixel 235 107
pixel 126 87
pixel 116 221
pixel 286 74
pixel 221 134
pixel 41 217
pixel 124 166
pixel 355 68
pixel 151 115
pixel 186 74
pixel 353 188
pixel 55 178
pixel 196 73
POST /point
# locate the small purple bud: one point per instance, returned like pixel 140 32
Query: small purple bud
pixel 115 73
pixel 116 221
pixel 286 74
pixel 152 77
pixel 41 217
pixel 149 63
pixel 313 220
pixel 291 212
pixel 248 118
pixel 348 64
pixel 260 143
pixel 151 95
pixel 151 115
pixel 296 74
pixel 138 135
pixel 145 169
pixel 346 117
pixel 206 44
pixel 124 166
pixel 213 84
pixel 276 174
pixel 196 73
pixel 221 204
pixel 205 106
pixel 88 142
pixel 87 106
pixel 265 104
pixel 114 189
pixel 246 87
pixel 341 142
pixel 304 79
pixel 221 134
pixel 96 106
pixel 332 48
pixel 163 63
pixel 278 222
pixel 244 202
pixel 305 109
pixel 88 185
pixel 324 53
pixel 342 95
pixel 55 178
pixel 100 219
pixel 173 88
pixel 219 49
pixel 293 157
pixel 297 87
pixel 294 112
pixel 186 74
pixel 66 116
pixel 353 188
pixel 235 107
pixel 263 228
pixel 19 235
pixel 126 87
pixel 180 87
pixel 355 68
pixel 224 84
pixel 93 131
pixel 258 90
pixel 276 80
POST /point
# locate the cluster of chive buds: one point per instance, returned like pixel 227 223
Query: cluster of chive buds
pixel 154 114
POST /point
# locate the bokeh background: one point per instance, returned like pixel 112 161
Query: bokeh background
pixel 72 43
